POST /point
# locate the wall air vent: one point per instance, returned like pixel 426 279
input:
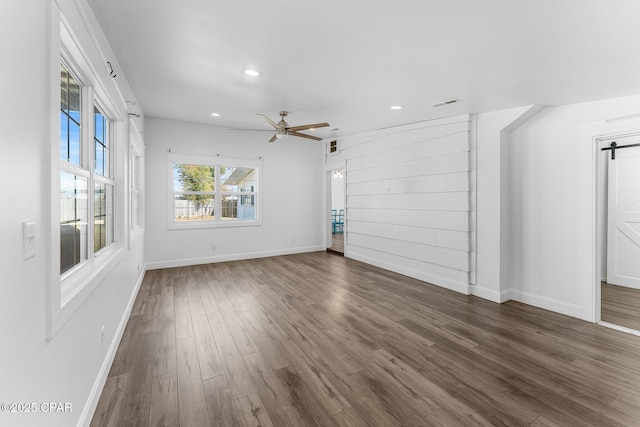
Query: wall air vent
pixel 447 102
pixel 332 147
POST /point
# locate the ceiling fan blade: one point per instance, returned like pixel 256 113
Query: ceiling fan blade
pixel 271 122
pixel 273 138
pixel 305 127
pixel 304 135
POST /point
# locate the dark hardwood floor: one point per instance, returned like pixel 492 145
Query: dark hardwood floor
pixel 316 339
pixel 620 305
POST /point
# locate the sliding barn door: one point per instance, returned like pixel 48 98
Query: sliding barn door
pixel 623 241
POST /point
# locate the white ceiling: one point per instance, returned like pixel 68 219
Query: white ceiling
pixel 347 61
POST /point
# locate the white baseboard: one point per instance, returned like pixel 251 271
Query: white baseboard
pixel 231 257
pixel 620 328
pixel 490 294
pixel 443 282
pixel 92 402
pixel 550 304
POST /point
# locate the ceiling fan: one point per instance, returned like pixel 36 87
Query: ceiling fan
pixel 283 129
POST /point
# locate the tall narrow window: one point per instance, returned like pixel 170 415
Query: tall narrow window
pixel 73 179
pixel 103 221
pixel 85 168
pixel 136 184
pixel 86 218
pixel 136 190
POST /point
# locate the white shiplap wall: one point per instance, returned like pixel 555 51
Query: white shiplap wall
pixel 407 198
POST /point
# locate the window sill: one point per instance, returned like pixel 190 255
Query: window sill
pixel 213 224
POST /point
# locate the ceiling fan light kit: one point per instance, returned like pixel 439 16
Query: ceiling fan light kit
pixel 281 133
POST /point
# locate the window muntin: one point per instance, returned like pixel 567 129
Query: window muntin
pixel 212 192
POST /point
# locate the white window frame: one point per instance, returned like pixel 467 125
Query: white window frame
pixel 67 292
pixel 175 158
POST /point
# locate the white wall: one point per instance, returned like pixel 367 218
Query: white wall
pixel 535 203
pixel 408 199
pixel 491 172
pixel 68 368
pixel 292 195
pixel 552 194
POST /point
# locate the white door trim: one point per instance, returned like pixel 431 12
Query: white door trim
pixel 328 169
pixel 590 136
pixel 626 162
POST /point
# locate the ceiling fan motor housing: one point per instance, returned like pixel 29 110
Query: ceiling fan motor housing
pixel 283 124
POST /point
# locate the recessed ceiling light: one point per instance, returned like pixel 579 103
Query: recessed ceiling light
pixel 397 107
pixel 252 73
pixel 215 114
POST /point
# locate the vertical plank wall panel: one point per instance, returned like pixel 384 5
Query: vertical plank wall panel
pixel 408 192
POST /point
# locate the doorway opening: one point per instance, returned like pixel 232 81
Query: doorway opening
pixel 338 209
pixel 618 205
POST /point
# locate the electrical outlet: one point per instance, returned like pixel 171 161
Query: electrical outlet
pixel 213 247
pixel 102 336
pixel 293 240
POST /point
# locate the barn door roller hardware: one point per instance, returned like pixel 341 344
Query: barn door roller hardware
pixel 614 146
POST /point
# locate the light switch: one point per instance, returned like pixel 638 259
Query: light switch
pixel 29 239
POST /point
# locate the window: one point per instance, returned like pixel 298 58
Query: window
pixel 238 193
pixel 74 179
pixel 104 185
pixel 193 192
pixel 85 168
pixel 136 184
pixel 212 192
pixel 73 220
pixel 86 215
